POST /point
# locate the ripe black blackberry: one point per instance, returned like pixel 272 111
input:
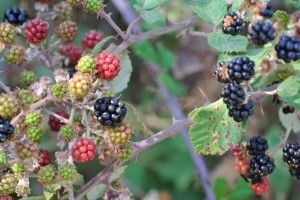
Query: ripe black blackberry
pixel 241 69
pixel 262 165
pixel 266 11
pixel 110 111
pixel 254 177
pixel 288 48
pixel 242 113
pixel 15 16
pixel 222 72
pixel 295 172
pixel 6 129
pixel 288 109
pixel 233 94
pixel 232 24
pixel 261 32
pixel 257 146
pixel 291 154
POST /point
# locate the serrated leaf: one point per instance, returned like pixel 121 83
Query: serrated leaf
pixel 241 191
pixel 286 119
pixel 214 132
pixel 134 118
pixel 153 16
pixel 220 187
pixel 236 5
pixel 210 11
pixel 96 192
pixel 117 174
pixel 227 43
pixel 167 58
pixel 289 91
pixel 283 17
pixel 145 51
pixel 99 46
pixel 120 83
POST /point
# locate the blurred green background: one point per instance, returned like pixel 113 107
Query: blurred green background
pixel 166 171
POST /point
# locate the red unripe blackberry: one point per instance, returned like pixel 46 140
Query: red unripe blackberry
pixel 242 113
pixel 44 157
pixel 232 24
pixel 288 48
pixel 72 52
pixel 84 150
pixel 108 66
pixel 67 31
pixel 55 123
pixel 233 95
pixel 291 154
pixel 257 145
pixel 261 188
pixel 241 69
pixel 90 39
pixel 242 166
pixel 36 31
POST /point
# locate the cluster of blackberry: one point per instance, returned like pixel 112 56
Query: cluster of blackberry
pixel 288 48
pixel 6 129
pixel 233 24
pixel 261 32
pixel 233 73
pixel 110 111
pixel 15 16
pixel 291 156
pixel 261 164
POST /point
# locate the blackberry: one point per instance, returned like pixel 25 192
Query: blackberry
pixel 291 154
pixel 288 48
pixel 242 113
pixel 266 10
pixel 110 111
pixel 261 32
pixel 257 146
pixel 254 177
pixel 6 129
pixel 262 165
pixel 72 72
pixel 15 16
pixel 233 94
pixel 232 24
pixel 222 72
pixel 295 172
pixel 241 69
pixel 288 109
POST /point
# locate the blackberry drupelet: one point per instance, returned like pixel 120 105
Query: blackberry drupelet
pixel 232 24
pixel 262 165
pixel 6 129
pixel 288 109
pixel 257 146
pixel 288 48
pixel 110 111
pixel 291 154
pixel 241 113
pixel 254 177
pixel 222 72
pixel 241 69
pixel 295 172
pixel 15 16
pixel 266 11
pixel 233 94
pixel 261 32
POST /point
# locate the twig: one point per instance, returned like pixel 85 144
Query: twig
pixel 70 191
pixel 197 33
pixel 132 25
pixel 73 109
pixel 112 23
pixel 5 88
pixel 62 119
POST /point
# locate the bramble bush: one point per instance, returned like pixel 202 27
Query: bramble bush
pixel 82 103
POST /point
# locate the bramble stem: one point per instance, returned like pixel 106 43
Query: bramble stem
pixel 5 88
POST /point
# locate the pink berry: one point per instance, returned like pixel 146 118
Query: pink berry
pixel 84 150
pixel 108 66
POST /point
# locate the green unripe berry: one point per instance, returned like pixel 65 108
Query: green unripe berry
pixel 35 134
pixel 33 118
pixel 94 6
pixel 127 153
pixel 8 184
pixel 18 169
pixel 66 132
pixel 26 97
pixel 67 173
pixel 59 90
pixel 86 64
pixel 47 175
pixel 28 77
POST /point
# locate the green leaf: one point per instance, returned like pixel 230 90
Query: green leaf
pixel 48 195
pixel 176 87
pixel 227 43
pixel 295 4
pixel 145 51
pixel 120 83
pixel 153 16
pixel 135 119
pixel 289 91
pixel 283 17
pixel 96 192
pixel 214 131
pixel 241 191
pixel 286 121
pixel 79 180
pixel 117 173
pixel 210 11
pixel 236 5
pixel 220 187
pixel 99 46
pixel 152 4
pixel 167 58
